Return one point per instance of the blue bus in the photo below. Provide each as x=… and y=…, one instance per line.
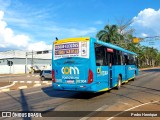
x=90, y=65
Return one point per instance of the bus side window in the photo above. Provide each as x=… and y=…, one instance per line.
x=126, y=60
x=100, y=56
x=118, y=57
x=131, y=60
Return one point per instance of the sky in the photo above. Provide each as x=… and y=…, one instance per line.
x=34, y=24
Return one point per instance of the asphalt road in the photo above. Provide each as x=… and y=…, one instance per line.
x=143, y=94
x=20, y=77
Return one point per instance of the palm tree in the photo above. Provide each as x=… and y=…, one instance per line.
x=109, y=34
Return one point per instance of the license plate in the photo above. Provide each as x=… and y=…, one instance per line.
x=70, y=81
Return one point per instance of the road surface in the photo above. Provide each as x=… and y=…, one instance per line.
x=143, y=94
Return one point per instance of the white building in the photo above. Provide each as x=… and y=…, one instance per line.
x=24, y=61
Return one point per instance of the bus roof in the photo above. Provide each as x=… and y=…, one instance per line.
x=72, y=40
x=112, y=46
x=94, y=40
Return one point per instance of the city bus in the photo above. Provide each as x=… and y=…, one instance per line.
x=90, y=65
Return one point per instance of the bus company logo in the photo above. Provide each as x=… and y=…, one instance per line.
x=70, y=70
x=130, y=68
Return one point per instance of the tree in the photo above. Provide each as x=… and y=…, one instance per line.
x=122, y=35
x=109, y=34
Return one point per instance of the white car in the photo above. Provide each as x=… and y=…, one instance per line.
x=46, y=74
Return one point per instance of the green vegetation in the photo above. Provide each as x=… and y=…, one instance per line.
x=122, y=36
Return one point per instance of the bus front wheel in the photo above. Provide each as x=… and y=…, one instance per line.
x=119, y=82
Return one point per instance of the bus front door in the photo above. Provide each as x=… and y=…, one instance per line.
x=110, y=69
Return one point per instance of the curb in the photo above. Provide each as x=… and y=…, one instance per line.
x=5, y=90
x=36, y=84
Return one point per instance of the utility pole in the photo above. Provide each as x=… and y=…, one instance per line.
x=32, y=59
x=26, y=64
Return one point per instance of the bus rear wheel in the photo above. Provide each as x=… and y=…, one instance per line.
x=134, y=77
x=119, y=82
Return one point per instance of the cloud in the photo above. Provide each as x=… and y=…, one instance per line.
x=7, y=36
x=39, y=46
x=144, y=35
x=147, y=22
x=9, y=39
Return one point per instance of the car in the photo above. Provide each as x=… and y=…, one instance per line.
x=46, y=74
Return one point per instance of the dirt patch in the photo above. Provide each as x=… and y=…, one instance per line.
x=2, y=84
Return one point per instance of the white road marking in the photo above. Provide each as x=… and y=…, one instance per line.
x=44, y=81
x=36, y=85
x=49, y=83
x=5, y=90
x=36, y=81
x=124, y=103
x=91, y=114
x=22, y=87
x=21, y=81
x=29, y=81
x=132, y=109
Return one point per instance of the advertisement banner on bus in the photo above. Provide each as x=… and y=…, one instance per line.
x=71, y=49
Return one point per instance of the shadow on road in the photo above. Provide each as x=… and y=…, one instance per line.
x=121, y=95
x=69, y=94
x=139, y=90
x=22, y=100
x=24, y=104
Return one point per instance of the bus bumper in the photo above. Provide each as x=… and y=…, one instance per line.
x=73, y=87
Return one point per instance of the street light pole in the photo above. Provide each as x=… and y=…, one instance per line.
x=26, y=63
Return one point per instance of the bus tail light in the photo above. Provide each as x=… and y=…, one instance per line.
x=53, y=76
x=90, y=76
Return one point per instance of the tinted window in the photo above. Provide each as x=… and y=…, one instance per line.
x=117, y=57
x=47, y=71
x=100, y=55
x=125, y=59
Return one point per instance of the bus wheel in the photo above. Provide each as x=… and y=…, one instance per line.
x=119, y=82
x=134, y=76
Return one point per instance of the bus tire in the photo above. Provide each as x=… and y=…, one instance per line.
x=119, y=82
x=134, y=76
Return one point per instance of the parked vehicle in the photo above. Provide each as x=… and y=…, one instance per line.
x=46, y=74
